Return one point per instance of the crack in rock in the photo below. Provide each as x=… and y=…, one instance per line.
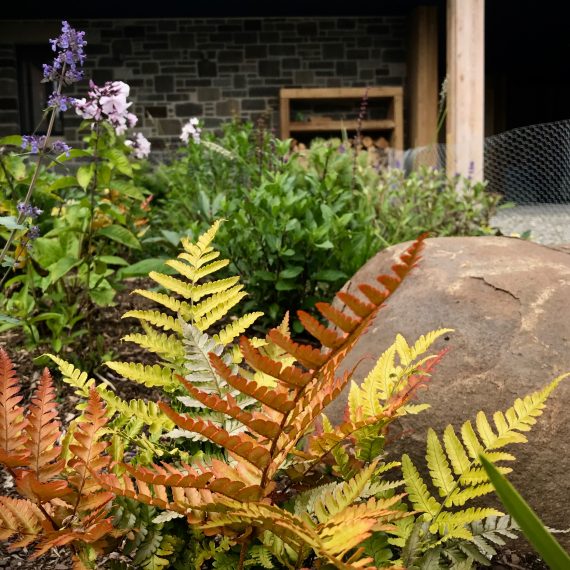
x=480, y=278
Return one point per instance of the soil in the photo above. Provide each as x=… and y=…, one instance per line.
x=111, y=328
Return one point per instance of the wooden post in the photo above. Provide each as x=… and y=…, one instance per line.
x=423, y=77
x=465, y=87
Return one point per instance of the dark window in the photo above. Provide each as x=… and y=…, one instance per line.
x=33, y=94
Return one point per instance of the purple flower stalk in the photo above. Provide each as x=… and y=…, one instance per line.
x=59, y=146
x=28, y=210
x=60, y=102
x=33, y=233
x=33, y=142
x=69, y=55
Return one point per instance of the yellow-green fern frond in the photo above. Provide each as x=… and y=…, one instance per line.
x=213, y=287
x=150, y=376
x=455, y=469
x=420, y=497
x=219, y=312
x=197, y=259
x=230, y=332
x=336, y=499
x=213, y=301
x=449, y=523
x=173, y=284
x=157, y=319
x=168, y=346
x=194, y=274
x=73, y=376
x=167, y=301
x=148, y=413
x=438, y=466
x=389, y=378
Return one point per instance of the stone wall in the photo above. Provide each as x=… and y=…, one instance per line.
x=215, y=69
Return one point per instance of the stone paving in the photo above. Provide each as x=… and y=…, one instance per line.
x=547, y=223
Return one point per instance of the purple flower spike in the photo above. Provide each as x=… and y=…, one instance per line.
x=69, y=51
x=28, y=211
x=33, y=142
x=58, y=101
x=59, y=146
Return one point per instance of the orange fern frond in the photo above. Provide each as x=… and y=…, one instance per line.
x=338, y=318
x=276, y=399
x=360, y=308
x=13, y=452
x=43, y=431
x=241, y=444
x=308, y=356
x=88, y=449
x=258, y=422
x=327, y=337
x=375, y=295
x=291, y=375
x=19, y=518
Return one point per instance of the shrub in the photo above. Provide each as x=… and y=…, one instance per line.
x=275, y=487
x=307, y=220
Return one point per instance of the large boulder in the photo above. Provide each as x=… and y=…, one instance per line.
x=509, y=303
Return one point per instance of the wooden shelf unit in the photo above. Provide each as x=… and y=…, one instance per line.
x=393, y=123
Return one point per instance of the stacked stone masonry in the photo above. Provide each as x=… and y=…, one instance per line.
x=216, y=69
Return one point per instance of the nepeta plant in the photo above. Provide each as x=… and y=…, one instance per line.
x=64, y=70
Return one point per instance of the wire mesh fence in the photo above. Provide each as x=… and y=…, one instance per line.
x=530, y=168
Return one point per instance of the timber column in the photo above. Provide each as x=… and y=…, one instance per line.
x=465, y=87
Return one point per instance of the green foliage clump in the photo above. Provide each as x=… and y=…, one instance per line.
x=90, y=230
x=303, y=222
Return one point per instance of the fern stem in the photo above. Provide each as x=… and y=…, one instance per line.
x=243, y=552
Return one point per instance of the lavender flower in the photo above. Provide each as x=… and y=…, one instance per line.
x=191, y=129
x=140, y=146
x=33, y=233
x=33, y=142
x=28, y=210
x=58, y=101
x=107, y=103
x=69, y=56
x=59, y=146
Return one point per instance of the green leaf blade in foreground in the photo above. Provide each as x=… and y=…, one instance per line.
x=532, y=527
x=121, y=235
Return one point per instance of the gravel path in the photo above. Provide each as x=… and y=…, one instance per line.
x=547, y=223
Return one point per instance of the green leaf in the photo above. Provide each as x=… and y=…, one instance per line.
x=47, y=251
x=85, y=174
x=285, y=285
x=144, y=267
x=63, y=182
x=112, y=260
x=61, y=268
x=102, y=296
x=9, y=319
x=73, y=153
x=11, y=223
x=329, y=275
x=325, y=245
x=120, y=234
x=533, y=528
x=119, y=161
x=291, y=272
x=11, y=140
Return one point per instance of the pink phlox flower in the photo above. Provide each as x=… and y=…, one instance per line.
x=140, y=146
x=191, y=129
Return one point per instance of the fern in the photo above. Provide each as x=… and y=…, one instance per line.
x=456, y=473
x=64, y=504
x=297, y=382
